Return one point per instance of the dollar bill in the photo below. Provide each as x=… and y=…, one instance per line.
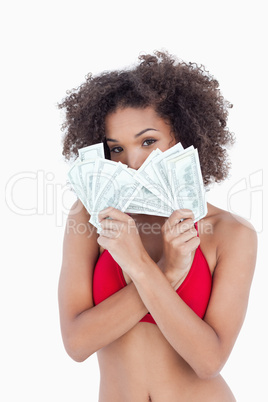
x=186, y=183
x=91, y=152
x=160, y=169
x=148, y=178
x=145, y=202
x=140, y=209
x=117, y=191
x=77, y=183
x=85, y=171
x=104, y=170
x=166, y=181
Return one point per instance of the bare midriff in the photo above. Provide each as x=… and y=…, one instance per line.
x=142, y=366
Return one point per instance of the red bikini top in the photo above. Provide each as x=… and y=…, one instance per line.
x=195, y=290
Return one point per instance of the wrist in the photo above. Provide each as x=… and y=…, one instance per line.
x=167, y=271
x=161, y=264
x=174, y=274
x=142, y=271
x=140, y=268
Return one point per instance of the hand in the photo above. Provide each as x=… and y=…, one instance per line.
x=179, y=241
x=121, y=238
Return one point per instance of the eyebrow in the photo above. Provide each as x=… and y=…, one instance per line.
x=136, y=135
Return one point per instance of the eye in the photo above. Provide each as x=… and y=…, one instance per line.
x=116, y=150
x=149, y=142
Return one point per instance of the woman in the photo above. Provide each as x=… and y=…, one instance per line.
x=166, y=330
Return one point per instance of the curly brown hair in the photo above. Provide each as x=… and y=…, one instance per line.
x=183, y=93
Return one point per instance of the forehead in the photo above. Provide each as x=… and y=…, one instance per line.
x=132, y=121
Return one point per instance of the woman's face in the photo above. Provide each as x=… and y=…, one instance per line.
x=132, y=134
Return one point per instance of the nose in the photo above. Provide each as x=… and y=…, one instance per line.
x=135, y=159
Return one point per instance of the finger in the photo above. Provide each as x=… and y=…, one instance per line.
x=178, y=228
x=188, y=246
x=103, y=241
x=192, y=244
x=186, y=236
x=113, y=213
x=111, y=224
x=182, y=227
x=119, y=226
x=111, y=234
x=177, y=216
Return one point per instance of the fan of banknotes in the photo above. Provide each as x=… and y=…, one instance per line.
x=166, y=181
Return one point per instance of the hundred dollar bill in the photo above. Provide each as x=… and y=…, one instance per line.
x=160, y=169
x=172, y=156
x=76, y=178
x=118, y=191
x=145, y=202
x=119, y=184
x=147, y=176
x=104, y=170
x=187, y=184
x=86, y=175
x=91, y=151
x=139, y=209
x=81, y=173
x=166, y=181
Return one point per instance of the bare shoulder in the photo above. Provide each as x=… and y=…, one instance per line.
x=229, y=228
x=80, y=238
x=224, y=236
x=232, y=236
x=78, y=215
x=78, y=212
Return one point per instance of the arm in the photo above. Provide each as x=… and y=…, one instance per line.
x=85, y=327
x=205, y=344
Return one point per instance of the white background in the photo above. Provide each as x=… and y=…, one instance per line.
x=49, y=47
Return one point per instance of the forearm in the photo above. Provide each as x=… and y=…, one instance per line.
x=189, y=335
x=104, y=323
